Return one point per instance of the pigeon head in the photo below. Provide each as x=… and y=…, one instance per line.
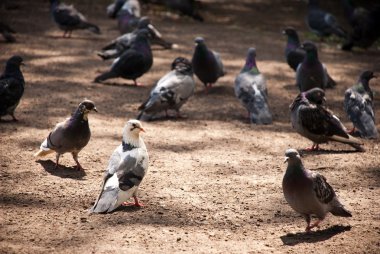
x=292, y=155
x=315, y=95
x=182, y=64
x=311, y=52
x=367, y=76
x=250, y=62
x=131, y=133
x=199, y=41
x=309, y=46
x=15, y=61
x=290, y=31
x=86, y=107
x=143, y=22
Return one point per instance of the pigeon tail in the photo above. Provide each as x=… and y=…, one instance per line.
x=339, y=210
x=354, y=142
x=330, y=82
x=91, y=27
x=112, y=45
x=105, y=76
x=106, y=202
x=140, y=115
x=261, y=118
x=108, y=54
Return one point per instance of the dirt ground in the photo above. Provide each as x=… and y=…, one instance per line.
x=214, y=181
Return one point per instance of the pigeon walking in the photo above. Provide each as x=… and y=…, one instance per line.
x=207, y=64
x=126, y=169
x=251, y=90
x=309, y=193
x=134, y=62
x=311, y=72
x=7, y=32
x=311, y=120
x=358, y=104
x=69, y=19
x=172, y=90
x=12, y=86
x=69, y=136
x=321, y=22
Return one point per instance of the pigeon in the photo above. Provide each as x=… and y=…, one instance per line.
x=185, y=7
x=69, y=136
x=364, y=23
x=308, y=192
x=124, y=42
x=251, y=90
x=359, y=108
x=293, y=52
x=134, y=62
x=7, y=32
x=69, y=19
x=126, y=169
x=311, y=72
x=12, y=86
x=172, y=90
x=321, y=22
x=311, y=120
x=207, y=64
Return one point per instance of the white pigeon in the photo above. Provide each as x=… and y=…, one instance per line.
x=126, y=169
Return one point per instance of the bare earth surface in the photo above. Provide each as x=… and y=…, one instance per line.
x=214, y=181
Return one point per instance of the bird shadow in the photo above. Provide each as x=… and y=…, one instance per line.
x=305, y=152
x=73, y=38
x=313, y=237
x=62, y=171
x=162, y=118
x=131, y=85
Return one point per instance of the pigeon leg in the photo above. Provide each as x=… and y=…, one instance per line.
x=137, y=83
x=13, y=117
x=315, y=224
x=64, y=34
x=75, y=157
x=352, y=131
x=136, y=203
x=57, y=160
x=314, y=147
x=308, y=219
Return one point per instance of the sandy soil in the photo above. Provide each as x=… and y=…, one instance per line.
x=214, y=181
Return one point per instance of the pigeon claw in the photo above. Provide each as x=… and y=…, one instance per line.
x=136, y=203
x=314, y=147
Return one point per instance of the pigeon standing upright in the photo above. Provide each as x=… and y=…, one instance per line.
x=251, y=90
x=321, y=22
x=311, y=72
x=69, y=136
x=172, y=90
x=7, y=32
x=126, y=169
x=11, y=87
x=311, y=120
x=207, y=64
x=69, y=19
x=309, y=193
x=293, y=52
x=358, y=102
x=185, y=7
x=134, y=62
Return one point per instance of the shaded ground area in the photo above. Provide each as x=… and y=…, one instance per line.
x=214, y=182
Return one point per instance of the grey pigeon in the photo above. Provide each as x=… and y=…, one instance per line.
x=295, y=54
x=185, y=7
x=68, y=18
x=69, y=136
x=124, y=42
x=7, y=32
x=321, y=22
x=126, y=169
x=311, y=72
x=358, y=104
x=309, y=193
x=172, y=90
x=311, y=120
x=365, y=25
x=12, y=86
x=251, y=90
x=207, y=64
x=134, y=62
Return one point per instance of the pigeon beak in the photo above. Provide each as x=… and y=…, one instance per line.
x=286, y=159
x=95, y=109
x=142, y=129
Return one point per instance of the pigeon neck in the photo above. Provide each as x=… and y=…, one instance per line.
x=295, y=166
x=311, y=57
x=131, y=139
x=363, y=83
x=80, y=114
x=250, y=65
x=14, y=71
x=293, y=42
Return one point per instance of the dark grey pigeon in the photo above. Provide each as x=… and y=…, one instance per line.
x=251, y=90
x=126, y=169
x=68, y=18
x=207, y=64
x=308, y=192
x=311, y=72
x=69, y=136
x=172, y=90
x=134, y=62
x=358, y=104
x=12, y=86
x=7, y=32
x=295, y=55
x=311, y=120
x=124, y=42
x=365, y=25
x=185, y=7
x=321, y=22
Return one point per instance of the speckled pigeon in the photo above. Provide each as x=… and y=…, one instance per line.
x=69, y=136
x=12, y=86
x=185, y=7
x=126, y=169
x=321, y=22
x=69, y=19
x=311, y=120
x=359, y=108
x=207, y=64
x=311, y=72
x=172, y=90
x=251, y=90
x=134, y=62
x=7, y=32
x=308, y=192
x=124, y=42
